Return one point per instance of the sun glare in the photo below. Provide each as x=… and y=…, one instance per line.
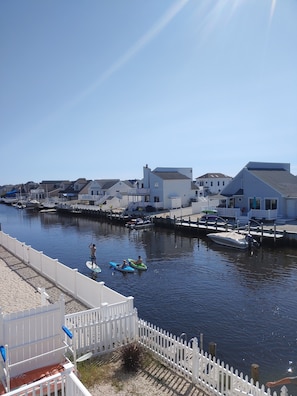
x=272, y=9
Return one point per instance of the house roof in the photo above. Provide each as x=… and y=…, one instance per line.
x=213, y=176
x=171, y=175
x=128, y=182
x=105, y=184
x=280, y=180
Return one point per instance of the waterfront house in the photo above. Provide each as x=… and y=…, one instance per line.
x=73, y=189
x=110, y=193
x=52, y=188
x=167, y=188
x=212, y=183
x=264, y=191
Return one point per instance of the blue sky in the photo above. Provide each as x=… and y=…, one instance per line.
x=100, y=88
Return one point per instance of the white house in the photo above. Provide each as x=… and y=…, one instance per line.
x=212, y=183
x=167, y=188
x=110, y=193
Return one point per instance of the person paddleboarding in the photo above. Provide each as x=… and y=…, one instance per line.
x=92, y=247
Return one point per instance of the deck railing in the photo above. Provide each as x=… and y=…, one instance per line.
x=62, y=384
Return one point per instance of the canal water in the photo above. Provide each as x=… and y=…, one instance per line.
x=244, y=303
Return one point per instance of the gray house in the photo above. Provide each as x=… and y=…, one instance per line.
x=266, y=191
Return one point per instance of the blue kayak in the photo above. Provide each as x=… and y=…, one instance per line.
x=119, y=267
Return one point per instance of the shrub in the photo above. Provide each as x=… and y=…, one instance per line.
x=132, y=356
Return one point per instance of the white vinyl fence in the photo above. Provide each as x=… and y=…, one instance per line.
x=82, y=288
x=33, y=344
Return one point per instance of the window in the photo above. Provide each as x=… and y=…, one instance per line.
x=254, y=203
x=156, y=199
x=270, y=204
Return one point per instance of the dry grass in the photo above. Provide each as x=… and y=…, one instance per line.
x=109, y=368
x=106, y=375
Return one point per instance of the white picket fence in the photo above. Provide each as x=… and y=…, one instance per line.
x=186, y=359
x=102, y=330
x=35, y=338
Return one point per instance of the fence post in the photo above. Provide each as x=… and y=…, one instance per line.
x=44, y=296
x=212, y=349
x=40, y=261
x=130, y=301
x=104, y=311
x=136, y=320
x=29, y=255
x=274, y=229
x=74, y=286
x=201, y=342
x=195, y=361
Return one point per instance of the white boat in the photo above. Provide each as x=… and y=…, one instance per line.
x=9, y=200
x=52, y=210
x=139, y=223
x=19, y=204
x=233, y=239
x=32, y=204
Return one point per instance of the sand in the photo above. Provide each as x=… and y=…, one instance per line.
x=16, y=294
x=153, y=379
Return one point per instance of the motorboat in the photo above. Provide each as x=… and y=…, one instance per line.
x=233, y=239
x=139, y=223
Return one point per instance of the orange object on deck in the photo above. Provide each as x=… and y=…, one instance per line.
x=32, y=376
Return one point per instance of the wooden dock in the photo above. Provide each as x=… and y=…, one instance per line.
x=285, y=234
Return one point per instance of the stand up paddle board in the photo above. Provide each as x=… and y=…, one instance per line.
x=93, y=267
